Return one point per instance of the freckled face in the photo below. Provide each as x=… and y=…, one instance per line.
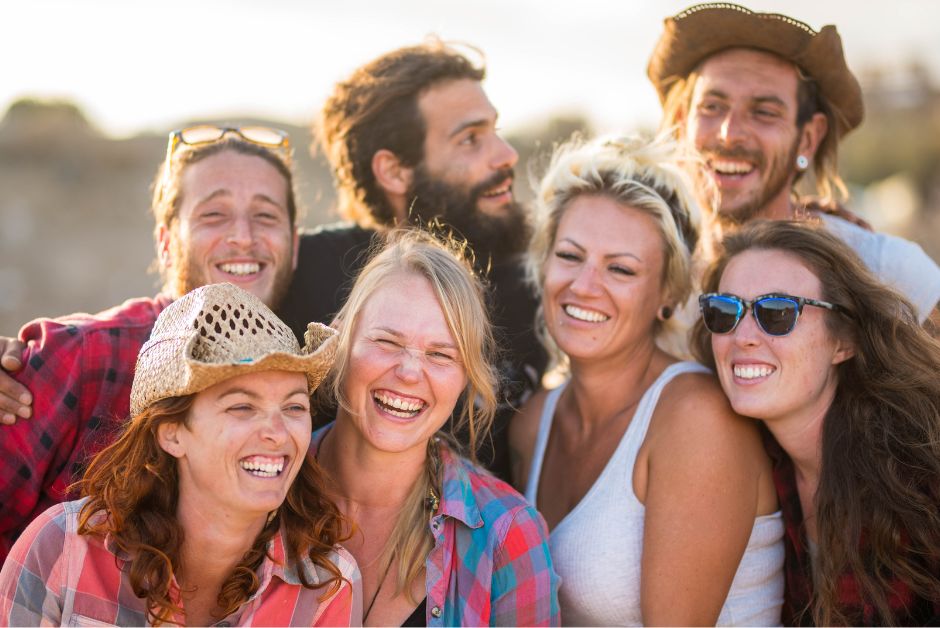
x=603, y=278
x=775, y=377
x=244, y=443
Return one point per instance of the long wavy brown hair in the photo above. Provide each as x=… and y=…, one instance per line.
x=878, y=500
x=134, y=484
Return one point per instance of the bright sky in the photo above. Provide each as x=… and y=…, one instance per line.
x=137, y=66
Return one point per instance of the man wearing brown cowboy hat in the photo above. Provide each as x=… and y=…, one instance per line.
x=763, y=98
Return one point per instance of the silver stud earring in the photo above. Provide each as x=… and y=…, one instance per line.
x=802, y=163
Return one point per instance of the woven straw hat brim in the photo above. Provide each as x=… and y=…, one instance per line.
x=163, y=366
x=703, y=30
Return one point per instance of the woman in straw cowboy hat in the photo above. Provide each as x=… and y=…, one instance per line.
x=844, y=382
x=439, y=540
x=207, y=508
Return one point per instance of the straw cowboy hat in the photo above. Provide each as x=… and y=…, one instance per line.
x=704, y=29
x=217, y=332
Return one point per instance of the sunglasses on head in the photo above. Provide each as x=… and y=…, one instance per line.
x=776, y=314
x=268, y=137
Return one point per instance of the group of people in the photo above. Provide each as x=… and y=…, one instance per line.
x=747, y=429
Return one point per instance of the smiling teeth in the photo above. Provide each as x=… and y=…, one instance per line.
x=752, y=372
x=399, y=407
x=248, y=268
x=732, y=167
x=263, y=467
x=499, y=191
x=585, y=315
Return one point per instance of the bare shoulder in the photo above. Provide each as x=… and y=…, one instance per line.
x=523, y=431
x=694, y=413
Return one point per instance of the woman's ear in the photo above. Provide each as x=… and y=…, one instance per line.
x=168, y=438
x=845, y=350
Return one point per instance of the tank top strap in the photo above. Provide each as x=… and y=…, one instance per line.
x=632, y=438
x=639, y=424
x=541, y=441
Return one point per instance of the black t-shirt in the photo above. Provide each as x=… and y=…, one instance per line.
x=331, y=257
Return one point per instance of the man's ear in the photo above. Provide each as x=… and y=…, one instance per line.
x=168, y=438
x=296, y=256
x=163, y=246
x=812, y=135
x=391, y=175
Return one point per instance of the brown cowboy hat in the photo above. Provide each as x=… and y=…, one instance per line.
x=704, y=29
x=217, y=332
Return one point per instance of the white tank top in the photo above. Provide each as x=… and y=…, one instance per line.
x=599, y=560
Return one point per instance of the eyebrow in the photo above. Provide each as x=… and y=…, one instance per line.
x=225, y=192
x=769, y=99
x=398, y=334
x=608, y=256
x=469, y=124
x=238, y=390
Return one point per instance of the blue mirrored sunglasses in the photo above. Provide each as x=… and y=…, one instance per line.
x=776, y=314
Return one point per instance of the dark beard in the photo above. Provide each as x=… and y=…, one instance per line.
x=492, y=238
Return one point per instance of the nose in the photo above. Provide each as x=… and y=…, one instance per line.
x=732, y=128
x=747, y=333
x=409, y=366
x=585, y=282
x=241, y=232
x=504, y=155
x=274, y=429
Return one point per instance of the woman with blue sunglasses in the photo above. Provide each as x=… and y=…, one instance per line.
x=845, y=383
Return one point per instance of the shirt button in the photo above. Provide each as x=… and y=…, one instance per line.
x=436, y=611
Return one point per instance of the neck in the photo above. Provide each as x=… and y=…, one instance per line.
x=601, y=390
x=214, y=543
x=801, y=438
x=364, y=476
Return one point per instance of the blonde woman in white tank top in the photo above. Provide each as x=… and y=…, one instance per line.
x=659, y=498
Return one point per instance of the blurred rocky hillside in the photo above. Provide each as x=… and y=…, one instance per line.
x=75, y=232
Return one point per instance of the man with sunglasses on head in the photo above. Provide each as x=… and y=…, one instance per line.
x=412, y=139
x=225, y=210
x=763, y=99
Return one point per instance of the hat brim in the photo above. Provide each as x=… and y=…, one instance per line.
x=703, y=30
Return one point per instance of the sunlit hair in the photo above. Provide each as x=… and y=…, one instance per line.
x=829, y=186
x=459, y=292
x=133, y=490
x=644, y=174
x=377, y=108
x=168, y=185
x=879, y=485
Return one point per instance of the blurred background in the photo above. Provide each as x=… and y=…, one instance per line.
x=89, y=90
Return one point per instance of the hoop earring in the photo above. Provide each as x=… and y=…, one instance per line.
x=802, y=163
x=665, y=313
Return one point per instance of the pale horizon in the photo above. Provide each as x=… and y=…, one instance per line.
x=136, y=68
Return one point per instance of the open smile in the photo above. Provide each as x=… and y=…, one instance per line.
x=264, y=466
x=585, y=314
x=399, y=406
x=752, y=373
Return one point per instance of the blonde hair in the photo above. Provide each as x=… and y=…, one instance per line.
x=442, y=261
x=646, y=174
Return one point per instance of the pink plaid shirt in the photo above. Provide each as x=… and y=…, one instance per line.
x=56, y=577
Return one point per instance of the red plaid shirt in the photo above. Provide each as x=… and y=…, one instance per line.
x=79, y=369
x=909, y=610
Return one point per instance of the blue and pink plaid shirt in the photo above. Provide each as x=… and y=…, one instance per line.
x=490, y=565
x=56, y=577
